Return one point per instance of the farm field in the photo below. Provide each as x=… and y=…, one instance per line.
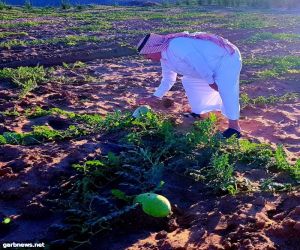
x=72, y=157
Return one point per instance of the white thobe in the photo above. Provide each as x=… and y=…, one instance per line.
x=202, y=63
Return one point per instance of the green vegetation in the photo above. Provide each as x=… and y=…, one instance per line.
x=220, y=174
x=248, y=21
x=3, y=5
x=98, y=26
x=27, y=78
x=71, y=40
x=151, y=144
x=278, y=65
x=271, y=185
x=141, y=131
x=90, y=120
x=86, y=124
x=262, y=36
x=281, y=164
x=262, y=100
x=12, y=43
x=7, y=34
x=38, y=135
x=21, y=24
x=146, y=147
x=77, y=64
x=10, y=113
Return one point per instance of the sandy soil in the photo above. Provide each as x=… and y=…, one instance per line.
x=28, y=173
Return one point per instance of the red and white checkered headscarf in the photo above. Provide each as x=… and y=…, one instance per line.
x=153, y=43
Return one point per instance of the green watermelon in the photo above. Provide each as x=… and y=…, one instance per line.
x=142, y=110
x=154, y=204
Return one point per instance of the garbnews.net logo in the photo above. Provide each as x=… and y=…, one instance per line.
x=14, y=244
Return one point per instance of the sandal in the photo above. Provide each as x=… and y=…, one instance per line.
x=191, y=115
x=231, y=132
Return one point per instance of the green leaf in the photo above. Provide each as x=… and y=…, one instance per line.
x=120, y=195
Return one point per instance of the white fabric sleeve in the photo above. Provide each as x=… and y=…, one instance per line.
x=167, y=81
x=197, y=61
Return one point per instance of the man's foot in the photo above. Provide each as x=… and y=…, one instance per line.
x=192, y=115
x=231, y=132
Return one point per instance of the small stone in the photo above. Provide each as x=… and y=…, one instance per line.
x=260, y=224
x=2, y=119
x=9, y=153
x=236, y=245
x=36, y=210
x=260, y=201
x=100, y=205
x=147, y=245
x=56, y=227
x=24, y=184
x=167, y=103
x=248, y=205
x=289, y=223
x=262, y=220
x=25, y=103
x=297, y=210
x=279, y=216
x=58, y=243
x=246, y=241
x=161, y=235
x=5, y=171
x=248, y=244
x=3, y=129
x=17, y=165
x=59, y=230
x=166, y=246
x=297, y=226
x=227, y=245
x=59, y=123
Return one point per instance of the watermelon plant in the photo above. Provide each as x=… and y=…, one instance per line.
x=107, y=188
x=27, y=78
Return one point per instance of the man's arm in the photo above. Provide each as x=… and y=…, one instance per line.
x=167, y=81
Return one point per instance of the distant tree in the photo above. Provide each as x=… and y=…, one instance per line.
x=3, y=4
x=28, y=4
x=65, y=4
x=79, y=7
x=293, y=3
x=237, y=3
x=165, y=3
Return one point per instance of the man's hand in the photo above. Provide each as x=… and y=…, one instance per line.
x=152, y=101
x=214, y=86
